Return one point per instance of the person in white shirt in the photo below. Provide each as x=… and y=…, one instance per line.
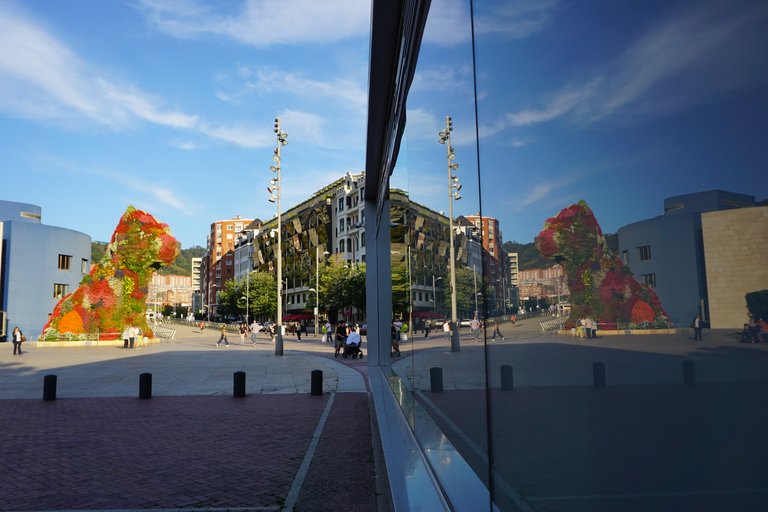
x=353, y=343
x=474, y=326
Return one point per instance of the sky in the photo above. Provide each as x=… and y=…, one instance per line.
x=169, y=106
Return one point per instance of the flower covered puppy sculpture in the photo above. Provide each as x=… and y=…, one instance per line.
x=601, y=286
x=114, y=293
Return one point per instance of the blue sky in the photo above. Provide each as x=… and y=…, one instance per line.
x=168, y=105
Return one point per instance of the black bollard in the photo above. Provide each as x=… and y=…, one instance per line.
x=598, y=375
x=49, y=387
x=436, y=379
x=507, y=382
x=317, y=383
x=689, y=373
x=239, y=385
x=145, y=385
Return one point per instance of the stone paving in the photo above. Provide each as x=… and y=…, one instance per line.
x=192, y=446
x=646, y=441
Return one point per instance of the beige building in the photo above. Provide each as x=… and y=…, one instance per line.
x=735, y=243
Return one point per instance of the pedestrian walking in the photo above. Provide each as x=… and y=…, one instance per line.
x=474, y=326
x=496, y=331
x=242, y=330
x=133, y=331
x=126, y=336
x=447, y=328
x=341, y=338
x=396, y=338
x=427, y=328
x=18, y=339
x=696, y=323
x=223, y=337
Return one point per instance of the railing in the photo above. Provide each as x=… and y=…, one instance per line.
x=552, y=325
x=163, y=332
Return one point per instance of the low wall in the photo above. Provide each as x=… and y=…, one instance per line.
x=624, y=332
x=84, y=343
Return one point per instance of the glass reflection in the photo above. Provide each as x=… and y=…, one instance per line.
x=619, y=152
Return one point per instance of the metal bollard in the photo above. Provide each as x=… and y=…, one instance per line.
x=689, y=373
x=598, y=375
x=49, y=387
x=436, y=379
x=145, y=385
x=317, y=383
x=239, y=384
x=507, y=381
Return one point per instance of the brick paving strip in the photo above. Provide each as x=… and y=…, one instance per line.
x=164, y=453
x=341, y=476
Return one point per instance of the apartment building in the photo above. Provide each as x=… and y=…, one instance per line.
x=219, y=262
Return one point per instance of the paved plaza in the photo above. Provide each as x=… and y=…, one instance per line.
x=644, y=442
x=193, y=446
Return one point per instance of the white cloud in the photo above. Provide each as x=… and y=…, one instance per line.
x=305, y=126
x=42, y=79
x=346, y=92
x=448, y=23
x=560, y=104
x=536, y=195
x=261, y=23
x=186, y=145
x=683, y=60
x=169, y=198
x=244, y=136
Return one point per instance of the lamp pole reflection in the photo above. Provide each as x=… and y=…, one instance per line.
x=453, y=195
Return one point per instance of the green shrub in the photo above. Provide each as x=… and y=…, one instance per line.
x=757, y=304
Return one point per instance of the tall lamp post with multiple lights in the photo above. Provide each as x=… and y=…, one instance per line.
x=453, y=195
x=274, y=197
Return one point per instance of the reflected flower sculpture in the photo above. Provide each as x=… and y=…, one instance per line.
x=114, y=293
x=601, y=286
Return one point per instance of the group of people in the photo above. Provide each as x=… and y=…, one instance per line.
x=585, y=329
x=756, y=331
x=347, y=340
x=131, y=337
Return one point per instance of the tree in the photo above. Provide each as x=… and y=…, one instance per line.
x=261, y=290
x=400, y=290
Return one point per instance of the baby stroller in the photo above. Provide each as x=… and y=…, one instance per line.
x=353, y=350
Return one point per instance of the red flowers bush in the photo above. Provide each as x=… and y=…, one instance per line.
x=601, y=286
x=114, y=293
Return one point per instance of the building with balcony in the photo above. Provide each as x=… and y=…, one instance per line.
x=493, y=268
x=219, y=261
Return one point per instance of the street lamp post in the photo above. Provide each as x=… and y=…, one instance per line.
x=274, y=190
x=316, y=289
x=453, y=195
x=410, y=295
x=434, y=295
x=474, y=278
